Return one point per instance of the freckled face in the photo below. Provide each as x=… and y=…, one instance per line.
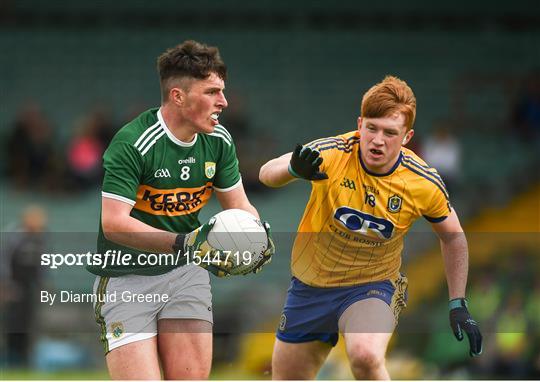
x=381, y=140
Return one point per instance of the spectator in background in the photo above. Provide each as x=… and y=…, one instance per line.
x=86, y=148
x=526, y=111
x=104, y=124
x=32, y=160
x=23, y=279
x=443, y=151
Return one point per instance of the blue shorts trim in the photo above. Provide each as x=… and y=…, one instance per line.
x=312, y=314
x=331, y=338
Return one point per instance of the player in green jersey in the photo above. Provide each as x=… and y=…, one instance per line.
x=160, y=170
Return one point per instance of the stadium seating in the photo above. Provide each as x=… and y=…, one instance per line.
x=301, y=67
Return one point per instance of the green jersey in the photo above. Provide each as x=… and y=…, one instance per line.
x=167, y=181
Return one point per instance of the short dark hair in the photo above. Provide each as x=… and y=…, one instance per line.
x=189, y=59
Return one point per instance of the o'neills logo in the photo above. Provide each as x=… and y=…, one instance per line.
x=172, y=202
x=189, y=160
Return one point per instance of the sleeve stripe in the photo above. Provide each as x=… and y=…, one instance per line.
x=322, y=141
x=148, y=147
x=222, y=136
x=428, y=173
x=117, y=197
x=148, y=141
x=418, y=163
x=236, y=185
x=342, y=146
x=321, y=144
x=223, y=130
x=146, y=133
x=334, y=138
x=426, y=168
x=338, y=144
x=443, y=190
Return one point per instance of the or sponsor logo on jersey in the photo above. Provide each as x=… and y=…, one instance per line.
x=355, y=238
x=394, y=203
x=162, y=173
x=360, y=222
x=209, y=169
x=348, y=183
x=172, y=202
x=117, y=329
x=189, y=160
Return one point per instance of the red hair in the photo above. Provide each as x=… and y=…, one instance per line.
x=388, y=97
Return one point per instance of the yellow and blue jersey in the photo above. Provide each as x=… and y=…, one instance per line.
x=353, y=226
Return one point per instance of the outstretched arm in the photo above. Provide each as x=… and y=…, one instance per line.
x=304, y=162
x=275, y=173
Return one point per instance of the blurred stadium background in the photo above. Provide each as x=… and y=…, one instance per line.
x=73, y=72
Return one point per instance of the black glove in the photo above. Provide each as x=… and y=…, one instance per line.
x=305, y=164
x=461, y=321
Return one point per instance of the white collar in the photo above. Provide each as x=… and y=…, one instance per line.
x=171, y=135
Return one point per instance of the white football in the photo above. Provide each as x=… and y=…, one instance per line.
x=240, y=234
